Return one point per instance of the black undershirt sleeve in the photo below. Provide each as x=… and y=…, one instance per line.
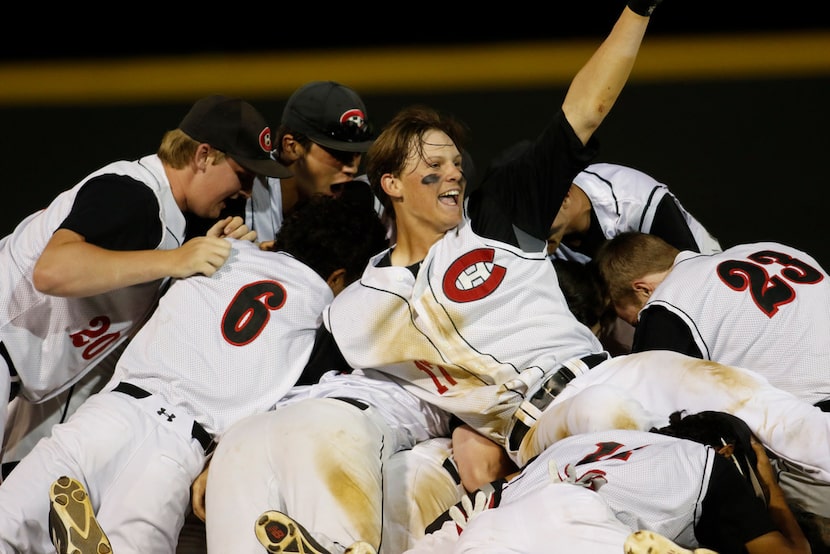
x=325, y=356
x=116, y=212
x=525, y=186
x=731, y=514
x=660, y=329
x=670, y=225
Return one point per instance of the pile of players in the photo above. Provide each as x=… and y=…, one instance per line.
x=312, y=359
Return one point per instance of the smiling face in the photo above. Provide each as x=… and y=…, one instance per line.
x=428, y=194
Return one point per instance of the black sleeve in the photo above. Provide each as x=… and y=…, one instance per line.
x=325, y=356
x=660, y=329
x=116, y=212
x=670, y=225
x=525, y=186
x=731, y=514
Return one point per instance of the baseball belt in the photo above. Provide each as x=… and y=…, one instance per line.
x=15, y=378
x=546, y=393
x=360, y=405
x=196, y=432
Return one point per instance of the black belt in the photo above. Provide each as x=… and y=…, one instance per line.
x=353, y=401
x=547, y=392
x=197, y=431
x=15, y=378
x=824, y=405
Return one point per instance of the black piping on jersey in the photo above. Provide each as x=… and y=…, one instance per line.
x=611, y=187
x=457, y=332
x=160, y=187
x=648, y=205
x=385, y=261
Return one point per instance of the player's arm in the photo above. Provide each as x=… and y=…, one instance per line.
x=197, y=493
x=670, y=225
x=109, y=239
x=790, y=538
x=596, y=86
x=478, y=459
x=660, y=329
x=325, y=356
x=70, y=266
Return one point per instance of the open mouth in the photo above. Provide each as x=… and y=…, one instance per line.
x=450, y=198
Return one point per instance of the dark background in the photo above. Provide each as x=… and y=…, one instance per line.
x=38, y=32
x=746, y=156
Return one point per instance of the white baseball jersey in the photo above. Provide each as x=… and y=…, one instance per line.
x=626, y=199
x=662, y=382
x=651, y=482
x=229, y=345
x=263, y=209
x=216, y=349
x=632, y=462
x=54, y=340
x=451, y=335
x=771, y=312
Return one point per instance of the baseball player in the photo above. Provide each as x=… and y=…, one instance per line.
x=751, y=305
x=323, y=134
x=764, y=306
x=701, y=480
x=450, y=306
x=217, y=348
x=126, y=222
x=608, y=199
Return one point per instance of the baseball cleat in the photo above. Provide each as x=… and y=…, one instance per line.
x=277, y=532
x=649, y=542
x=72, y=524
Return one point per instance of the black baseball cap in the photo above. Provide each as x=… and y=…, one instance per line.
x=330, y=114
x=235, y=127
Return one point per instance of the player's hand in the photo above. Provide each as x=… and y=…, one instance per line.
x=267, y=245
x=469, y=509
x=592, y=479
x=231, y=227
x=200, y=255
x=197, y=494
x=764, y=470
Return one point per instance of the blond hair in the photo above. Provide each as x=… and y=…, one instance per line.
x=177, y=149
x=628, y=257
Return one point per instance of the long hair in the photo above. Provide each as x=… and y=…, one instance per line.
x=403, y=138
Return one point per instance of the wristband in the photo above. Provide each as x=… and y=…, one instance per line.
x=643, y=7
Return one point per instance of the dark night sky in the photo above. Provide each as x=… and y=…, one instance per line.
x=48, y=36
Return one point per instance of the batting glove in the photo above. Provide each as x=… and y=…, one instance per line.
x=643, y=7
x=469, y=508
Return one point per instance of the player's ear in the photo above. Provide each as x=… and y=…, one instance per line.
x=201, y=158
x=291, y=150
x=337, y=281
x=642, y=289
x=391, y=185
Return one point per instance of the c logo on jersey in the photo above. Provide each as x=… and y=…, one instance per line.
x=473, y=276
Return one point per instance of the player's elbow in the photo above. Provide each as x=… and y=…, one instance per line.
x=49, y=279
